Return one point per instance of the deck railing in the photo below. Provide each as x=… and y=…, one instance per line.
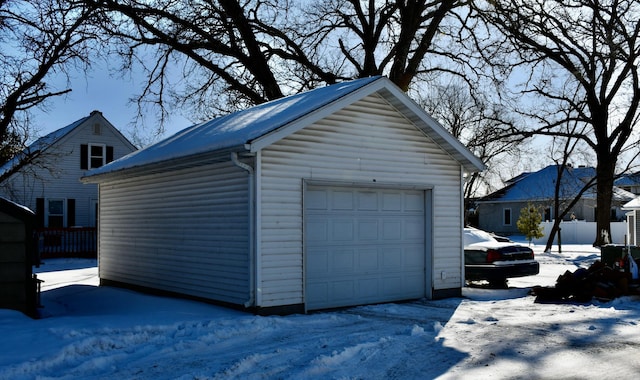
x=67, y=242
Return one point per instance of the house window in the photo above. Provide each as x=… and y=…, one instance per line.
x=547, y=214
x=95, y=155
x=506, y=216
x=55, y=213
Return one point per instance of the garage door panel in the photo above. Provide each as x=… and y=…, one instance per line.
x=344, y=261
x=412, y=283
x=367, y=200
x=342, y=200
x=368, y=288
x=413, y=256
x=317, y=231
x=392, y=258
x=392, y=202
x=342, y=230
x=392, y=286
x=318, y=292
x=392, y=229
x=367, y=230
x=318, y=262
x=375, y=248
x=414, y=202
x=367, y=260
x=316, y=200
x=342, y=290
x=413, y=229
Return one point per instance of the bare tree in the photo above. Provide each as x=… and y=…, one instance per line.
x=38, y=38
x=380, y=37
x=481, y=126
x=220, y=56
x=566, y=194
x=579, y=56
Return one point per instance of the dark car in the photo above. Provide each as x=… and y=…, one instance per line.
x=486, y=258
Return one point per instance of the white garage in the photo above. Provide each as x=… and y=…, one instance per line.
x=364, y=245
x=345, y=195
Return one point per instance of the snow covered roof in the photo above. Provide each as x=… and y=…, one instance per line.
x=257, y=127
x=634, y=204
x=540, y=185
x=628, y=180
x=13, y=207
x=40, y=144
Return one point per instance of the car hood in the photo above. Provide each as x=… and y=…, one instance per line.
x=492, y=244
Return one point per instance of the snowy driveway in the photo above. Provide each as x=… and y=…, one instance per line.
x=102, y=333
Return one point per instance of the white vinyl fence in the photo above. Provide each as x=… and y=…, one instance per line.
x=581, y=232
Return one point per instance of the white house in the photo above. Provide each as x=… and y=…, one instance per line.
x=345, y=195
x=633, y=221
x=51, y=185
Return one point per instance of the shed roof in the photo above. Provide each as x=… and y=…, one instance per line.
x=634, y=204
x=16, y=210
x=256, y=127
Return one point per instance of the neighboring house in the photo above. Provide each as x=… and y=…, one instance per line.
x=51, y=185
x=345, y=195
x=633, y=221
x=499, y=212
x=629, y=182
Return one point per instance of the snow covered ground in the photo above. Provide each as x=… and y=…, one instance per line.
x=91, y=332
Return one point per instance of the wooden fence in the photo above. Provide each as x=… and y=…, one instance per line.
x=67, y=242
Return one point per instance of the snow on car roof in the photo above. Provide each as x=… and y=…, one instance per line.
x=474, y=235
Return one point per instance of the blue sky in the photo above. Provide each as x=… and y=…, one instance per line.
x=98, y=91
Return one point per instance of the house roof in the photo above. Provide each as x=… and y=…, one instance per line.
x=48, y=140
x=256, y=127
x=632, y=179
x=40, y=144
x=540, y=185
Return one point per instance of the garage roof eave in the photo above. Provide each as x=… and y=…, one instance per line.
x=169, y=164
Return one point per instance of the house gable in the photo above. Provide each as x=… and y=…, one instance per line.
x=53, y=178
x=404, y=106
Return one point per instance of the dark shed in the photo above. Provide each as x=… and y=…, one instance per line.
x=19, y=288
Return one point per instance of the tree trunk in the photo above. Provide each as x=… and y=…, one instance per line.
x=552, y=234
x=605, y=175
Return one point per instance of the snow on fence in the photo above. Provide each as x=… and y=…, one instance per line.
x=582, y=232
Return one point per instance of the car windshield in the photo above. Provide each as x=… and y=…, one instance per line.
x=471, y=236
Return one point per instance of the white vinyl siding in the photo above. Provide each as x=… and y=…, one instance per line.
x=367, y=142
x=183, y=231
x=634, y=223
x=57, y=172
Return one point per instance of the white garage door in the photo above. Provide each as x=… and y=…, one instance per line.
x=363, y=246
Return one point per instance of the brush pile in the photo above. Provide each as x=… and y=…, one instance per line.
x=599, y=281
